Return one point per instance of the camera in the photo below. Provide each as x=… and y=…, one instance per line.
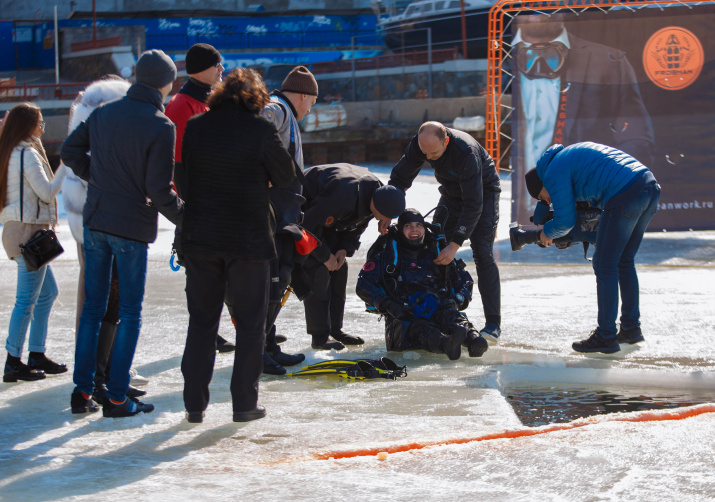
x=587, y=218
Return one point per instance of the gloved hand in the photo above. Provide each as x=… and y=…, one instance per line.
x=396, y=309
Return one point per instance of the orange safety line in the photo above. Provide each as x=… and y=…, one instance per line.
x=641, y=416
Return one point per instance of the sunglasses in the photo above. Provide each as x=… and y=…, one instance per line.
x=541, y=60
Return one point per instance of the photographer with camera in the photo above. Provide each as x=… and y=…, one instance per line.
x=421, y=300
x=627, y=193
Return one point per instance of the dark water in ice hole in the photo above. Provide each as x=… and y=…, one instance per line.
x=537, y=406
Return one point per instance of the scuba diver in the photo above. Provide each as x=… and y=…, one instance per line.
x=421, y=301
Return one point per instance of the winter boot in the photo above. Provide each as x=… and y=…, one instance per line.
x=39, y=361
x=346, y=339
x=270, y=367
x=16, y=370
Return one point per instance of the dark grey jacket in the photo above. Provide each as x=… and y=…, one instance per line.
x=130, y=168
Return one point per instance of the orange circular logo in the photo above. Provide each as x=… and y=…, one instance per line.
x=673, y=58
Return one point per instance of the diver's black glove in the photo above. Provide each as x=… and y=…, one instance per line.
x=396, y=309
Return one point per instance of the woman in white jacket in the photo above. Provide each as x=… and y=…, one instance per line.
x=21, y=150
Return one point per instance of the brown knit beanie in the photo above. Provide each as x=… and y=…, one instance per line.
x=300, y=81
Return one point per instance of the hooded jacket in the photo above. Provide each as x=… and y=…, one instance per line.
x=583, y=172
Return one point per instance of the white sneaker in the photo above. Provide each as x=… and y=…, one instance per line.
x=136, y=379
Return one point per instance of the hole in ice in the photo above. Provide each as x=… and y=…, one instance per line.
x=537, y=406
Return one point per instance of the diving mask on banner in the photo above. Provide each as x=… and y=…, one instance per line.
x=542, y=60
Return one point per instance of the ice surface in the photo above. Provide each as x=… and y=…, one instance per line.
x=548, y=299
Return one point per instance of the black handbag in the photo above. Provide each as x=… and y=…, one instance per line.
x=43, y=246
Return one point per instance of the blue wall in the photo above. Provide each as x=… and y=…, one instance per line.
x=225, y=33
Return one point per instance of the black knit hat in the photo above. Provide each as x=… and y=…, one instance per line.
x=155, y=68
x=389, y=201
x=300, y=81
x=201, y=57
x=533, y=183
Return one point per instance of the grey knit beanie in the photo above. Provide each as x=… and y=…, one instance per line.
x=155, y=68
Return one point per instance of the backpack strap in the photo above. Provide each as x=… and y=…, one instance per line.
x=22, y=181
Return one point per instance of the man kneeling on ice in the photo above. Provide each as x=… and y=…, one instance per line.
x=421, y=301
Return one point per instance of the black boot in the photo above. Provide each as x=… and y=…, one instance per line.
x=347, y=339
x=284, y=359
x=16, y=370
x=270, y=367
x=476, y=345
x=326, y=343
x=82, y=403
x=39, y=361
x=105, y=343
x=223, y=345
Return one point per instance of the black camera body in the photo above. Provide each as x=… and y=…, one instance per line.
x=584, y=230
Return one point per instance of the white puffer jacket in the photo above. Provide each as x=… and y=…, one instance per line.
x=40, y=187
x=74, y=189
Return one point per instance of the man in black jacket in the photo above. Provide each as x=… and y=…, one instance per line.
x=470, y=196
x=341, y=199
x=129, y=176
x=231, y=155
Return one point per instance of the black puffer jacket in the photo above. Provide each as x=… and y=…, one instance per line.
x=129, y=171
x=230, y=154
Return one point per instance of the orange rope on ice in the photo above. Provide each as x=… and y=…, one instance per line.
x=641, y=416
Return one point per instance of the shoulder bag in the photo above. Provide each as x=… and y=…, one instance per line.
x=43, y=246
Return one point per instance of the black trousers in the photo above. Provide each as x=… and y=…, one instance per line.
x=482, y=244
x=324, y=309
x=207, y=278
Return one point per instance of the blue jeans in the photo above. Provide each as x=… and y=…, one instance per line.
x=100, y=251
x=620, y=233
x=36, y=292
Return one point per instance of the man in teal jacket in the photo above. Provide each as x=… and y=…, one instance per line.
x=628, y=194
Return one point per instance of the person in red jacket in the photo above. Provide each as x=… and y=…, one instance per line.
x=203, y=65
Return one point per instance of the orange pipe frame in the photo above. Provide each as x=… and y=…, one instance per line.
x=641, y=416
x=496, y=32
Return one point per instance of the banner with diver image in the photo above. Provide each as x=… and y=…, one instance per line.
x=642, y=81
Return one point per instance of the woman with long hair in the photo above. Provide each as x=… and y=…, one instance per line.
x=28, y=191
x=231, y=155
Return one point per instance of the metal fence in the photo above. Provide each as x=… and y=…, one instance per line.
x=40, y=92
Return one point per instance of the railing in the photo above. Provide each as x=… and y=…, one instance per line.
x=263, y=40
x=39, y=92
x=386, y=61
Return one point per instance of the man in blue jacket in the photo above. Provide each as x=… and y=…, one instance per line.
x=628, y=194
x=129, y=175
